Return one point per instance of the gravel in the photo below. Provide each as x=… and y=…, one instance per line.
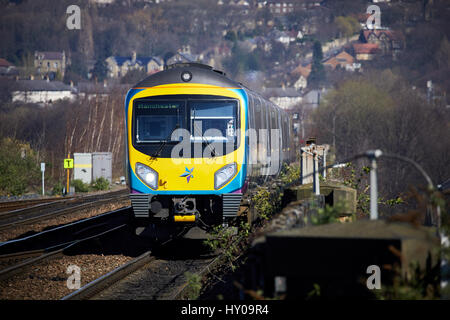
x=48, y=279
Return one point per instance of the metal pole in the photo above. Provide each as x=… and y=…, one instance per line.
x=67, y=189
x=43, y=178
x=301, y=166
x=373, y=155
x=373, y=190
x=316, y=174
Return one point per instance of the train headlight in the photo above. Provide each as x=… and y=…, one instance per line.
x=148, y=175
x=186, y=76
x=224, y=175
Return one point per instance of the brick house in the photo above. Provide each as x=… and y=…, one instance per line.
x=50, y=63
x=119, y=66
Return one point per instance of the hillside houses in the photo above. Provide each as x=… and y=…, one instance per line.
x=7, y=69
x=50, y=63
x=119, y=66
x=342, y=60
x=388, y=41
x=365, y=51
x=285, y=98
x=42, y=92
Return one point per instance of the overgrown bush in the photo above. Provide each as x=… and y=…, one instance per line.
x=100, y=184
x=80, y=186
x=18, y=166
x=194, y=285
x=57, y=188
x=266, y=203
x=290, y=174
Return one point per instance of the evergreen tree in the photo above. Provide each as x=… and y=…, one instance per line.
x=100, y=70
x=317, y=76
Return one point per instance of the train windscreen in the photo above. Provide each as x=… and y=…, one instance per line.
x=156, y=120
x=213, y=120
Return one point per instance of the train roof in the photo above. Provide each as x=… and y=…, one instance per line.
x=188, y=73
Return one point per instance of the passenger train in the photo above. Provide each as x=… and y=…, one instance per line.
x=195, y=141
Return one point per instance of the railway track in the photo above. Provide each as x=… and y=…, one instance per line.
x=159, y=274
x=6, y=206
x=49, y=239
x=29, y=258
x=56, y=208
x=89, y=243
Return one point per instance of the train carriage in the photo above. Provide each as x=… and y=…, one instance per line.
x=195, y=139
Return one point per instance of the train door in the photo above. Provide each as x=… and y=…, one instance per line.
x=264, y=138
x=251, y=137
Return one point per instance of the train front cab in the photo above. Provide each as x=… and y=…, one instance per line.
x=172, y=186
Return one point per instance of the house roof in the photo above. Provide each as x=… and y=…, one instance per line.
x=139, y=60
x=5, y=63
x=50, y=55
x=281, y=92
x=365, y=48
x=389, y=33
x=314, y=97
x=341, y=58
x=302, y=70
x=42, y=85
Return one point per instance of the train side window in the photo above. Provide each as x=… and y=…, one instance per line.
x=285, y=131
x=258, y=114
x=251, y=111
x=273, y=117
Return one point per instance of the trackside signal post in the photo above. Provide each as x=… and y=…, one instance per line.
x=68, y=164
x=43, y=170
x=373, y=155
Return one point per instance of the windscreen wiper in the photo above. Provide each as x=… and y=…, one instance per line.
x=163, y=143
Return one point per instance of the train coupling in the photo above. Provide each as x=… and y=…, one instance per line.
x=185, y=209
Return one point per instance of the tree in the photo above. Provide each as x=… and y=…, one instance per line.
x=100, y=70
x=317, y=76
x=443, y=54
x=133, y=76
x=381, y=111
x=347, y=26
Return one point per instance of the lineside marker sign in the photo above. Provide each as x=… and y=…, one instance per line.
x=68, y=163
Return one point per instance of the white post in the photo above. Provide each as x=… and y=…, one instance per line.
x=373, y=155
x=316, y=173
x=373, y=190
x=43, y=170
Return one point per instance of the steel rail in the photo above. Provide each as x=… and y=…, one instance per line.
x=95, y=287
x=59, y=212
x=48, y=253
x=33, y=242
x=65, y=201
